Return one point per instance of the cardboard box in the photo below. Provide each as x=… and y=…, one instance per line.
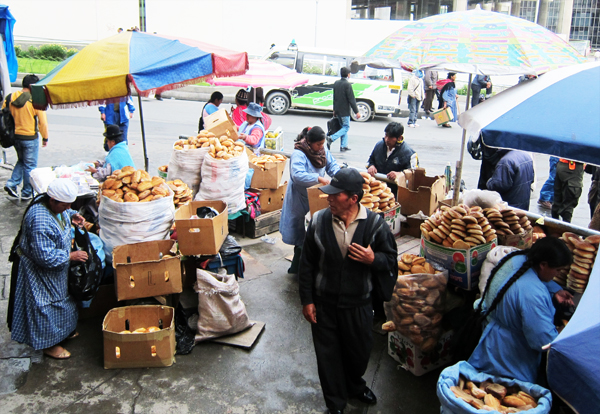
x=146, y=269
x=443, y=116
x=275, y=143
x=392, y=218
x=139, y=350
x=270, y=177
x=412, y=227
x=417, y=192
x=520, y=241
x=412, y=359
x=201, y=236
x=463, y=265
x=220, y=123
x=317, y=200
x=271, y=200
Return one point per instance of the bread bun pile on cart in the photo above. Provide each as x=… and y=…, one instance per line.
x=377, y=196
x=507, y=221
x=584, y=254
x=133, y=186
x=494, y=397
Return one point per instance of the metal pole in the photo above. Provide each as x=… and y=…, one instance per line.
x=142, y=15
x=459, y=164
x=143, y=133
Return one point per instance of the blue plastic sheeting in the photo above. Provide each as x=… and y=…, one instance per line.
x=156, y=61
x=452, y=405
x=574, y=357
x=7, y=22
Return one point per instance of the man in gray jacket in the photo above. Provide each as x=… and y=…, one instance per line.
x=429, y=81
x=343, y=99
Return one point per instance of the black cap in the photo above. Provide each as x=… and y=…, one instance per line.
x=346, y=179
x=112, y=132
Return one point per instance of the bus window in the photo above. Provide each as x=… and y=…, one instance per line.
x=286, y=59
x=322, y=64
x=374, y=74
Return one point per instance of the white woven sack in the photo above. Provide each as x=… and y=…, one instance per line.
x=224, y=180
x=186, y=165
x=127, y=223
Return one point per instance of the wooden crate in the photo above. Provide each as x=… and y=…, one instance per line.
x=264, y=224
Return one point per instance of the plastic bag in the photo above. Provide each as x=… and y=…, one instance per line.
x=417, y=307
x=491, y=260
x=84, y=277
x=184, y=335
x=220, y=308
x=128, y=223
x=452, y=405
x=186, y=165
x=230, y=247
x=483, y=199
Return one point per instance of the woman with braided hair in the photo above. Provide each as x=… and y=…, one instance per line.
x=520, y=321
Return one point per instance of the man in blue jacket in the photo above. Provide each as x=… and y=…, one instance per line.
x=343, y=100
x=512, y=178
x=349, y=253
x=118, y=114
x=117, y=158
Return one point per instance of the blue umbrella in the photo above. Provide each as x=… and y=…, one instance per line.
x=574, y=356
x=557, y=114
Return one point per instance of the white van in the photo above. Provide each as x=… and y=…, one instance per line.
x=377, y=91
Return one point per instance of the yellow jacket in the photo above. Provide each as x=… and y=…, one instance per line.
x=28, y=120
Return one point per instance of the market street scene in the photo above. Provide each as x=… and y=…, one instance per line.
x=407, y=222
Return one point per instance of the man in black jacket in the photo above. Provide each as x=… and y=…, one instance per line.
x=348, y=253
x=343, y=99
x=392, y=154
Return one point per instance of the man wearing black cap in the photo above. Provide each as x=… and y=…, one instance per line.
x=348, y=253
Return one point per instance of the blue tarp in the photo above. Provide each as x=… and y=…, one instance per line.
x=7, y=22
x=574, y=357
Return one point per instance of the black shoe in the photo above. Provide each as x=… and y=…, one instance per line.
x=158, y=97
x=329, y=141
x=367, y=397
x=11, y=192
x=345, y=149
x=335, y=411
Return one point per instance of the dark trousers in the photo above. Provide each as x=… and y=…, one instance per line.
x=568, y=185
x=343, y=341
x=428, y=102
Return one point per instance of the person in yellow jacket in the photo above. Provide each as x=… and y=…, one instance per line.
x=29, y=124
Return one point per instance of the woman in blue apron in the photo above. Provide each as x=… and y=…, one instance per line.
x=252, y=130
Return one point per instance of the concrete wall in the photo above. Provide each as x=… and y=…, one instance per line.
x=250, y=25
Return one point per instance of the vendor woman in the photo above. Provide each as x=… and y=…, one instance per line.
x=309, y=163
x=117, y=158
x=519, y=293
x=252, y=130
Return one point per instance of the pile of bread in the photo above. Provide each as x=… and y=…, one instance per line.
x=128, y=185
x=507, y=221
x=377, y=196
x=264, y=159
x=489, y=396
x=584, y=255
x=182, y=194
x=163, y=168
x=142, y=330
x=220, y=148
x=458, y=227
x=416, y=306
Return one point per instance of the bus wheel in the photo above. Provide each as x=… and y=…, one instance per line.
x=278, y=103
x=365, y=112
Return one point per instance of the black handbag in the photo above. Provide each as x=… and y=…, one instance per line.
x=84, y=277
x=333, y=126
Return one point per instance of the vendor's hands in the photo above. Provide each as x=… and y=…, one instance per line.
x=91, y=169
x=78, y=220
x=310, y=313
x=372, y=170
x=78, y=256
x=392, y=175
x=564, y=298
x=361, y=254
x=323, y=180
x=243, y=137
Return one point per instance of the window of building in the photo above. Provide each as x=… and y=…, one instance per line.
x=398, y=9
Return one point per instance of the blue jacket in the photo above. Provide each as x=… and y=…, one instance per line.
x=512, y=178
x=295, y=204
x=119, y=157
x=109, y=111
x=523, y=322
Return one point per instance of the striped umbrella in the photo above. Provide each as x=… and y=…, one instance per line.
x=263, y=73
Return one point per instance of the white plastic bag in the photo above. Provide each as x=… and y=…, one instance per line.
x=491, y=260
x=127, y=223
x=224, y=180
x=186, y=165
x=483, y=199
x=220, y=308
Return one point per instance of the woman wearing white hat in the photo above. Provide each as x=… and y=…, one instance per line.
x=252, y=130
x=44, y=314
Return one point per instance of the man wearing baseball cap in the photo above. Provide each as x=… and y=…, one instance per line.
x=349, y=252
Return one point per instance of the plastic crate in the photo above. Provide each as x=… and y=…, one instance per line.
x=276, y=143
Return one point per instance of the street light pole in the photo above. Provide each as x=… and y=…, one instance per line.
x=142, y=15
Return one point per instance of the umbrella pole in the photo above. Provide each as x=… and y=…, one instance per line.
x=459, y=164
x=143, y=133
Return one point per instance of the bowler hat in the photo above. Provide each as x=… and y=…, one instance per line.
x=254, y=109
x=112, y=132
x=346, y=179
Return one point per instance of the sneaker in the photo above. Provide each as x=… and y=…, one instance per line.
x=416, y=125
x=411, y=125
x=329, y=141
x=26, y=197
x=545, y=204
x=11, y=192
x=344, y=149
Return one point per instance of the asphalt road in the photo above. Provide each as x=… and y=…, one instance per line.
x=76, y=135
